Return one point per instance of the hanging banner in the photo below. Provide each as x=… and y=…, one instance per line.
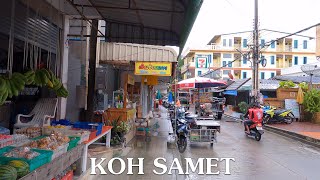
x=201, y=61
x=130, y=79
x=153, y=68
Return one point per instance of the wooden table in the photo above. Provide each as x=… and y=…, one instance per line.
x=106, y=131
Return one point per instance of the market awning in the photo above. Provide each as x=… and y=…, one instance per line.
x=126, y=52
x=231, y=92
x=232, y=89
x=153, y=22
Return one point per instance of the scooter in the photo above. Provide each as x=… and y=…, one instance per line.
x=182, y=133
x=256, y=130
x=278, y=116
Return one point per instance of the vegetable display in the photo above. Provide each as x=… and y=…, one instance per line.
x=8, y=172
x=21, y=167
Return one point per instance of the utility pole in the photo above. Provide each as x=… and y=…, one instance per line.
x=255, y=53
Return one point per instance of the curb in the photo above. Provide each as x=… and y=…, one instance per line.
x=232, y=117
x=299, y=137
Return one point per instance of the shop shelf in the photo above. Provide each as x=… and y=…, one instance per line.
x=44, y=158
x=90, y=126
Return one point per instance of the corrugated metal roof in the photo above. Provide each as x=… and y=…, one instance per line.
x=153, y=22
x=298, y=79
x=135, y=52
x=265, y=84
x=237, y=84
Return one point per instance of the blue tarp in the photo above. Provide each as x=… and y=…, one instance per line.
x=231, y=92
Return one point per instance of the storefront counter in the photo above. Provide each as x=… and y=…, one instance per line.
x=123, y=113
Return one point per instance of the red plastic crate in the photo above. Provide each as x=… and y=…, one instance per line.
x=68, y=176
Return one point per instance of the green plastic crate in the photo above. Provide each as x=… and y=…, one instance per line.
x=73, y=142
x=44, y=158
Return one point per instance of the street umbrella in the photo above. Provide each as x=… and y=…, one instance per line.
x=300, y=96
x=170, y=97
x=199, y=82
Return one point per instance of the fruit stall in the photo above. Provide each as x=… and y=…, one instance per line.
x=57, y=151
x=52, y=152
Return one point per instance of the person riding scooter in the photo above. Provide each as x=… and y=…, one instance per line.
x=254, y=115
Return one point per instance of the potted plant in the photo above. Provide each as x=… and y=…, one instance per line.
x=286, y=84
x=311, y=103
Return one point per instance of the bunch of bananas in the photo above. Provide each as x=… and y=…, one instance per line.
x=43, y=78
x=11, y=86
x=30, y=75
x=55, y=84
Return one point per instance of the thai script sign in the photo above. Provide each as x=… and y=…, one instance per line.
x=153, y=68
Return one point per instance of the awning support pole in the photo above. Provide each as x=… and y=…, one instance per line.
x=92, y=70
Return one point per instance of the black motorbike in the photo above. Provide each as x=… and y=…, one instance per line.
x=182, y=133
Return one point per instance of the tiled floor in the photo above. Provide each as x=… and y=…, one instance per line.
x=304, y=128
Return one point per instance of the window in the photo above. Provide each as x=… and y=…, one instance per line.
x=272, y=60
x=263, y=42
x=224, y=63
x=273, y=44
x=296, y=60
x=295, y=44
x=272, y=75
x=262, y=75
x=227, y=55
x=199, y=73
x=244, y=75
x=245, y=59
x=245, y=43
x=226, y=72
x=229, y=63
x=224, y=42
x=230, y=42
x=305, y=60
x=305, y=44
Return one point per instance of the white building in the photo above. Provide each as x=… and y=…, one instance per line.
x=222, y=55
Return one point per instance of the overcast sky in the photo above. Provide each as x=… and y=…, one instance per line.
x=227, y=16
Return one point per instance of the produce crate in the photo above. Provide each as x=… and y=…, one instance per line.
x=68, y=176
x=60, y=150
x=64, y=122
x=73, y=142
x=47, y=130
x=44, y=158
x=90, y=126
x=76, y=133
x=6, y=140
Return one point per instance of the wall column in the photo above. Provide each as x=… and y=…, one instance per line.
x=62, y=104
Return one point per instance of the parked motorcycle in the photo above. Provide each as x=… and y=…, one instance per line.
x=182, y=132
x=278, y=116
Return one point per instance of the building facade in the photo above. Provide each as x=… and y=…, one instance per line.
x=222, y=55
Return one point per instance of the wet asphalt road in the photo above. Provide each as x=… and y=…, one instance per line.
x=274, y=157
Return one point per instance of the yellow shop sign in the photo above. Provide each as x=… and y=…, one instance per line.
x=153, y=68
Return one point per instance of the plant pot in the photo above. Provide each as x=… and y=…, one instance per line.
x=316, y=118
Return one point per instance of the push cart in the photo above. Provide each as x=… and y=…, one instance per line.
x=205, y=131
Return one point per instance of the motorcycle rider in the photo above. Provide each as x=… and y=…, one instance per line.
x=254, y=114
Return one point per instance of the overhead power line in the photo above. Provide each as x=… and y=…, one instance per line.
x=292, y=34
